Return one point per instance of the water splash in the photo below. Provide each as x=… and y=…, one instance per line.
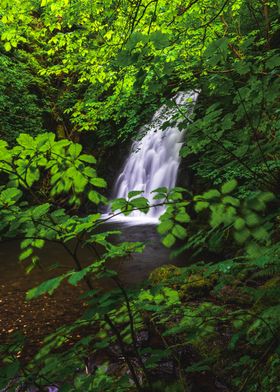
x=154, y=160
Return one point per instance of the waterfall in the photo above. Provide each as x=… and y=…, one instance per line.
x=154, y=160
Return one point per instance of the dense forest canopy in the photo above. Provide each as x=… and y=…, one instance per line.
x=99, y=62
x=78, y=78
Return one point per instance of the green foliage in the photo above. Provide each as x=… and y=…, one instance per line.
x=105, y=67
x=241, y=218
x=118, y=59
x=21, y=108
x=36, y=217
x=67, y=172
x=134, y=202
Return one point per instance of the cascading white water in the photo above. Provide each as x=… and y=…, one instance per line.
x=154, y=160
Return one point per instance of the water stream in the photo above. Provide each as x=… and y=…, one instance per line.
x=154, y=160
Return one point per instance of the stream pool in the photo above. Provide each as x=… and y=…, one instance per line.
x=43, y=315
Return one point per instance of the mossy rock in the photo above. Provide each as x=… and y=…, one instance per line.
x=164, y=273
x=197, y=285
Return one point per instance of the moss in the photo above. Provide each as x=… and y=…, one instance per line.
x=164, y=273
x=197, y=285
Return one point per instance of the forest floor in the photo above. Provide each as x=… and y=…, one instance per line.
x=37, y=318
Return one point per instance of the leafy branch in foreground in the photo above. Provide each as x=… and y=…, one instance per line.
x=181, y=307
x=36, y=217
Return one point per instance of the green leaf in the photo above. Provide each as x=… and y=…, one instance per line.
x=179, y=189
x=273, y=62
x=159, y=39
x=32, y=175
x=136, y=38
x=233, y=341
x=239, y=224
x=182, y=217
x=229, y=186
x=134, y=193
x=25, y=243
x=242, y=68
x=76, y=277
x=252, y=219
x=80, y=182
x=260, y=234
x=7, y=46
x=10, y=196
x=164, y=226
x=175, y=196
x=94, y=197
x=141, y=203
x=217, y=215
x=25, y=140
x=231, y=200
x=160, y=190
x=98, y=182
x=75, y=150
x=266, y=197
x=216, y=51
x=8, y=372
x=89, y=172
x=40, y=210
x=87, y=158
x=159, y=196
x=169, y=240
x=46, y=287
x=179, y=232
x=34, y=262
x=256, y=204
x=198, y=367
x=38, y=243
x=201, y=205
x=27, y=253
x=212, y=194
x=118, y=204
x=242, y=235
